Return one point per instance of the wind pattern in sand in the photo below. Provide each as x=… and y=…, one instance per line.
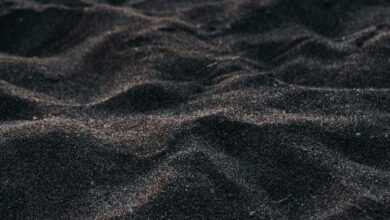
x=184, y=109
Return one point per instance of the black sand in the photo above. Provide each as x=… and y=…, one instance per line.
x=184, y=109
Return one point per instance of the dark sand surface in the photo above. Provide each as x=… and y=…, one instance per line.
x=195, y=109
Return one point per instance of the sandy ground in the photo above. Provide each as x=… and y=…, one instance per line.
x=184, y=109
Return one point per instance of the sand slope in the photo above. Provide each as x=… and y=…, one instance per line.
x=184, y=109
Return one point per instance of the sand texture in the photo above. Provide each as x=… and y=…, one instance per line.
x=195, y=109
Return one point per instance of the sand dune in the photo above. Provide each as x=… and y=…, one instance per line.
x=184, y=109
